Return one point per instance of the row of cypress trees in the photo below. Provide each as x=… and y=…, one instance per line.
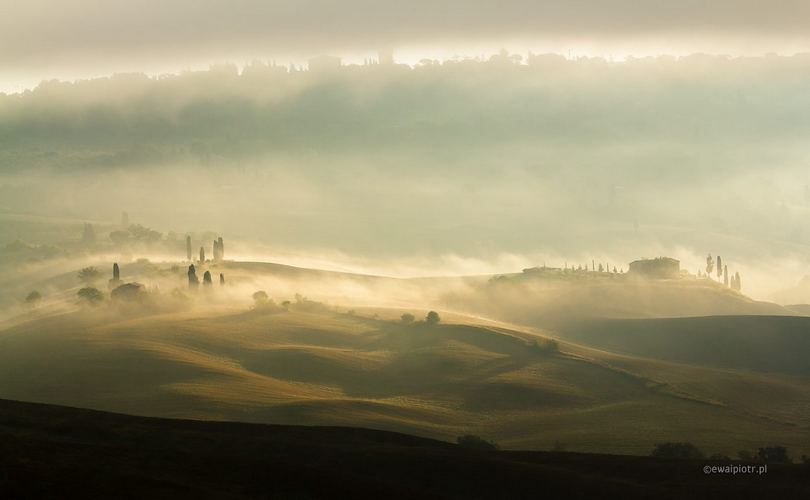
x=194, y=282
x=219, y=249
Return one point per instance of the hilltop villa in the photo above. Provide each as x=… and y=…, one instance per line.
x=661, y=267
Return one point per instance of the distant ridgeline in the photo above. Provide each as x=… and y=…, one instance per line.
x=228, y=114
x=657, y=268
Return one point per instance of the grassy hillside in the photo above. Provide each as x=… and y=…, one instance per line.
x=311, y=365
x=551, y=299
x=776, y=344
x=50, y=451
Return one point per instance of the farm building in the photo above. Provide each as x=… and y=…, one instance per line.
x=661, y=267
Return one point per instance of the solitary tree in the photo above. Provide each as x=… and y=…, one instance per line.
x=407, y=318
x=207, y=278
x=219, y=249
x=188, y=247
x=116, y=271
x=89, y=274
x=193, y=281
x=432, y=318
x=90, y=295
x=33, y=298
x=260, y=298
x=774, y=455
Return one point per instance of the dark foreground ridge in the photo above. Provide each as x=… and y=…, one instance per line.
x=57, y=452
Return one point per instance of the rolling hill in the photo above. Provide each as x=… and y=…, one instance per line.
x=772, y=344
x=552, y=299
x=51, y=451
x=544, y=300
x=312, y=365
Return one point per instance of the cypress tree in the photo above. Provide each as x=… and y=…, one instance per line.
x=725, y=275
x=116, y=272
x=202, y=254
x=193, y=282
x=207, y=278
x=221, y=279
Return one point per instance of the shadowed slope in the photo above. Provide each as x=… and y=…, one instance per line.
x=51, y=451
x=778, y=344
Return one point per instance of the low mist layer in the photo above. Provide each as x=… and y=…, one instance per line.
x=445, y=168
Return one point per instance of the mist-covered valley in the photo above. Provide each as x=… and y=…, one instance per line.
x=528, y=358
x=454, y=167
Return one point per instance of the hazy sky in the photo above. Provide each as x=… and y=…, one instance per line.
x=57, y=39
x=559, y=159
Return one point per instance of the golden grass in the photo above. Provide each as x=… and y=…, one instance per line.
x=330, y=368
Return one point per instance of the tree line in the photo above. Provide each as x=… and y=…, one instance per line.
x=716, y=265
